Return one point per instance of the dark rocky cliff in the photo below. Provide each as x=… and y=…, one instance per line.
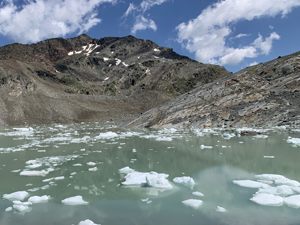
x=85, y=79
x=267, y=94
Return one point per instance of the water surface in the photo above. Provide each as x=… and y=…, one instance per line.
x=212, y=161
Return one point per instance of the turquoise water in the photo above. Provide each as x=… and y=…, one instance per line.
x=213, y=162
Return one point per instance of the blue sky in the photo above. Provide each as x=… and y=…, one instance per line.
x=231, y=33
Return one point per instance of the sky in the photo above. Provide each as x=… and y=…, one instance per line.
x=231, y=33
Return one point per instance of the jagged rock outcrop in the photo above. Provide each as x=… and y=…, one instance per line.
x=85, y=79
x=267, y=94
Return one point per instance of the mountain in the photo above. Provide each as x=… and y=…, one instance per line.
x=267, y=94
x=85, y=79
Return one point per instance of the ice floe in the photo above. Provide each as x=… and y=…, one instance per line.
x=292, y=201
x=250, y=184
x=107, y=135
x=76, y=200
x=22, y=208
x=34, y=173
x=220, y=209
x=187, y=181
x=197, y=193
x=295, y=142
x=227, y=136
x=151, y=179
x=126, y=170
x=267, y=199
x=93, y=169
x=163, y=139
x=19, y=195
x=90, y=163
x=87, y=222
x=203, y=147
x=39, y=199
x=193, y=203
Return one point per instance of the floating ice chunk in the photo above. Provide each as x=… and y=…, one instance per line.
x=140, y=179
x=269, y=157
x=296, y=189
x=269, y=177
x=145, y=200
x=282, y=190
x=33, y=166
x=220, y=209
x=126, y=170
x=292, y=201
x=228, y=136
x=193, y=203
x=158, y=180
x=197, y=193
x=87, y=222
x=133, y=150
x=38, y=199
x=261, y=136
x=288, y=182
x=22, y=208
x=8, y=209
x=118, y=61
x=250, y=184
x=187, y=181
x=15, y=171
x=76, y=200
x=107, y=135
x=267, y=200
x=78, y=164
x=47, y=180
x=34, y=173
x=19, y=195
x=93, y=169
x=293, y=141
x=203, y=146
x=163, y=139
x=17, y=202
x=90, y=163
x=59, y=178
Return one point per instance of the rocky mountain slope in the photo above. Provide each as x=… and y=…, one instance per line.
x=267, y=94
x=84, y=79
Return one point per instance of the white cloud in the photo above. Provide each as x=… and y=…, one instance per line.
x=242, y=35
x=253, y=64
x=207, y=35
x=271, y=27
x=37, y=20
x=142, y=23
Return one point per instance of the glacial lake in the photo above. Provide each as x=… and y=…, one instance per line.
x=65, y=174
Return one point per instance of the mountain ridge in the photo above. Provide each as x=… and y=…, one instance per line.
x=85, y=79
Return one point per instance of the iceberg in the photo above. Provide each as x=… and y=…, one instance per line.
x=76, y=200
x=193, y=203
x=292, y=201
x=187, y=181
x=250, y=184
x=22, y=208
x=19, y=195
x=267, y=200
x=91, y=164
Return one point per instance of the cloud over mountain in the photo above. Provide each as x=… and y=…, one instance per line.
x=207, y=35
x=37, y=20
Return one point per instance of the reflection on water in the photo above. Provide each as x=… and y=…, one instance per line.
x=67, y=154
